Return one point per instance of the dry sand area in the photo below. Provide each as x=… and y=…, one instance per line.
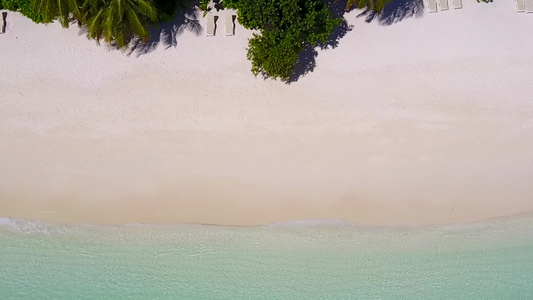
x=428, y=120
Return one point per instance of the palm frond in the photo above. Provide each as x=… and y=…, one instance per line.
x=136, y=25
x=116, y=21
x=146, y=8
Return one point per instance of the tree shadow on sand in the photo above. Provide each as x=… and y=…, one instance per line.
x=307, y=58
x=395, y=11
x=187, y=18
x=166, y=33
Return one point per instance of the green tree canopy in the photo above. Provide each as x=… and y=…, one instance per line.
x=273, y=54
x=25, y=8
x=287, y=28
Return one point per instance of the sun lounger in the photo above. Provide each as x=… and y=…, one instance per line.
x=529, y=6
x=210, y=28
x=520, y=6
x=432, y=6
x=457, y=4
x=229, y=25
x=443, y=4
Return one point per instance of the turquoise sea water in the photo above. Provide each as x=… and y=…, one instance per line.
x=303, y=260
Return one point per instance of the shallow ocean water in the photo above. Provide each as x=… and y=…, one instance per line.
x=301, y=260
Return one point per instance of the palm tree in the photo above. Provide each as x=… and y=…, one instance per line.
x=375, y=5
x=118, y=20
x=63, y=10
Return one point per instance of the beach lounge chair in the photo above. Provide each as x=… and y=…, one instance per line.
x=211, y=27
x=443, y=4
x=432, y=6
x=457, y=4
x=529, y=6
x=520, y=6
x=230, y=26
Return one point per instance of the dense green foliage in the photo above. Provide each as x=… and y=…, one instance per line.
x=230, y=3
x=62, y=10
x=273, y=54
x=24, y=7
x=373, y=5
x=287, y=27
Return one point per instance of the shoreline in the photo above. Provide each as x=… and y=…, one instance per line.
x=16, y=222
x=429, y=120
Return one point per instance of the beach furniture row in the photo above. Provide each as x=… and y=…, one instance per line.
x=524, y=6
x=211, y=27
x=443, y=5
x=435, y=5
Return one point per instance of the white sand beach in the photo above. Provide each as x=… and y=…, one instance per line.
x=427, y=120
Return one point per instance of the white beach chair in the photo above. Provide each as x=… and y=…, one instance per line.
x=432, y=4
x=520, y=6
x=211, y=26
x=230, y=26
x=529, y=6
x=443, y=4
x=457, y=4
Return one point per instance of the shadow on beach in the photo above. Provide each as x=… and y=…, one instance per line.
x=187, y=17
x=167, y=33
x=395, y=12
x=307, y=58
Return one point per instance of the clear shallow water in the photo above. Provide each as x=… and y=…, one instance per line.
x=304, y=260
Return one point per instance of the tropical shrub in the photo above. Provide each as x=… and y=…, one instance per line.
x=273, y=54
x=25, y=8
x=287, y=27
